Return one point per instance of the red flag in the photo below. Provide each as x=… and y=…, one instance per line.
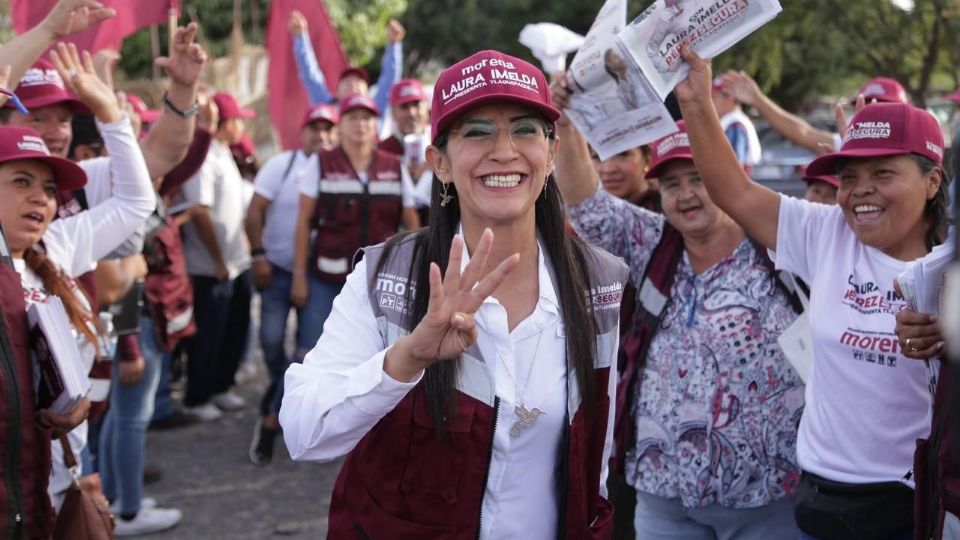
x=288, y=99
x=132, y=15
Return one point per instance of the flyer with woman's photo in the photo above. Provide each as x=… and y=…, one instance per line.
x=622, y=73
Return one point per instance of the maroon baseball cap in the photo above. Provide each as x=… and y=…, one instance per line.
x=406, y=91
x=954, y=96
x=883, y=90
x=485, y=77
x=672, y=147
x=355, y=72
x=228, y=107
x=885, y=129
x=320, y=112
x=41, y=86
x=146, y=115
x=357, y=101
x=18, y=143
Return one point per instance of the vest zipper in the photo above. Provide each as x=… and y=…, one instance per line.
x=12, y=464
x=486, y=477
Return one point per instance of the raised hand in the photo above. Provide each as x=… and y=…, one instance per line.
x=80, y=77
x=71, y=16
x=104, y=62
x=395, y=31
x=186, y=60
x=449, y=329
x=698, y=85
x=741, y=86
x=297, y=24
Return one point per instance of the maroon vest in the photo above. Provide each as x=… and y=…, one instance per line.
x=391, y=145
x=167, y=288
x=402, y=481
x=351, y=214
x=24, y=446
x=937, y=461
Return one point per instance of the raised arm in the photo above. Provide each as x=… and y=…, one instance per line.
x=574, y=170
x=307, y=67
x=753, y=206
x=391, y=66
x=166, y=144
x=98, y=231
x=791, y=126
x=67, y=17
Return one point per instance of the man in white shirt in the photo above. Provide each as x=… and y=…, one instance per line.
x=737, y=126
x=271, y=227
x=218, y=261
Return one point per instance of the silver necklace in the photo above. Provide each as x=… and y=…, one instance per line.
x=525, y=418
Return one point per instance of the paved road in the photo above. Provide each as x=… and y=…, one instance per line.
x=206, y=473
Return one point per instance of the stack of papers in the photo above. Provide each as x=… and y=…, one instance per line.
x=59, y=376
x=921, y=283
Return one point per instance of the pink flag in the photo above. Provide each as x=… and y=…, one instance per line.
x=132, y=15
x=288, y=100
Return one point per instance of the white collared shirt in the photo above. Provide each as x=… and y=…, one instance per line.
x=341, y=391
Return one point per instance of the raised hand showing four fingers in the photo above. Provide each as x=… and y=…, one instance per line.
x=449, y=329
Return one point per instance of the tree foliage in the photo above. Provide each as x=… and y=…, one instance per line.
x=362, y=26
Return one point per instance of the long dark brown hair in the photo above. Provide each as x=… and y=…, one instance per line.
x=565, y=251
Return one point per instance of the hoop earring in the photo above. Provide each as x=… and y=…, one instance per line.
x=445, y=196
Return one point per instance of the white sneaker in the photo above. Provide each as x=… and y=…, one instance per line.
x=145, y=503
x=208, y=412
x=148, y=520
x=228, y=401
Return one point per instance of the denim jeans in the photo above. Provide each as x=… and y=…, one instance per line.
x=657, y=518
x=222, y=314
x=123, y=433
x=275, y=306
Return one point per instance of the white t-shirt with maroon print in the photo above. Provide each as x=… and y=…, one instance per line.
x=866, y=404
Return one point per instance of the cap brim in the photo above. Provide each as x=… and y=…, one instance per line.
x=827, y=165
x=75, y=105
x=405, y=100
x=657, y=170
x=550, y=113
x=954, y=97
x=359, y=108
x=67, y=174
x=309, y=121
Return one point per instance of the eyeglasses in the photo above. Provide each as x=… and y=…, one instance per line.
x=522, y=133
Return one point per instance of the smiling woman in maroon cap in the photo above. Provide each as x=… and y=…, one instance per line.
x=465, y=368
x=867, y=402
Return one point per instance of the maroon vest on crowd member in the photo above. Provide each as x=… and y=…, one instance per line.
x=392, y=145
x=937, y=461
x=351, y=214
x=403, y=481
x=24, y=446
x=167, y=288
